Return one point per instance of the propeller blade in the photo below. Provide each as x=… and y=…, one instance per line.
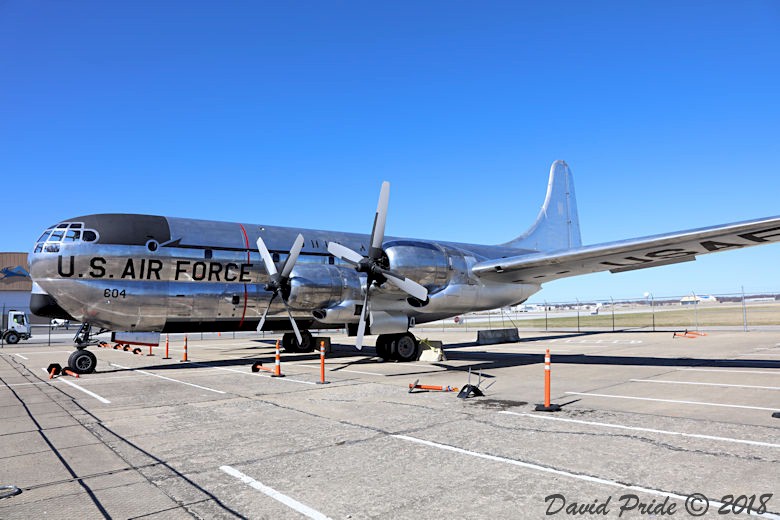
x=408, y=286
x=262, y=320
x=268, y=260
x=294, y=325
x=293, y=257
x=380, y=219
x=344, y=253
x=362, y=324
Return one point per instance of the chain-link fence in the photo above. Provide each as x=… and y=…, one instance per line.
x=692, y=312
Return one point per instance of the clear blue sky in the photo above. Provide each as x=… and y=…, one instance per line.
x=292, y=113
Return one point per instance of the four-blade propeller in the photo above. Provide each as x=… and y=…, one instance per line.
x=372, y=264
x=279, y=282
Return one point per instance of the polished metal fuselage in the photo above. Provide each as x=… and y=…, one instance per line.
x=148, y=273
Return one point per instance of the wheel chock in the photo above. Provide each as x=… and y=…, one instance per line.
x=435, y=388
x=54, y=370
x=258, y=366
x=470, y=391
x=776, y=415
x=69, y=372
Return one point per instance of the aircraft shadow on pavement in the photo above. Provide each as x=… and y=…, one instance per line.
x=474, y=360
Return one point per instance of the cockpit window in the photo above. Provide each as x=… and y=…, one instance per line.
x=68, y=232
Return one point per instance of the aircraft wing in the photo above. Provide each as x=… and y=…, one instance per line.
x=628, y=255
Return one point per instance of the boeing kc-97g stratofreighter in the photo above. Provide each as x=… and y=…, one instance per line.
x=142, y=273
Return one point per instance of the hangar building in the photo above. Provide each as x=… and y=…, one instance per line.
x=15, y=282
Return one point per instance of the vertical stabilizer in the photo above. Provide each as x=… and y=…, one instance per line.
x=557, y=227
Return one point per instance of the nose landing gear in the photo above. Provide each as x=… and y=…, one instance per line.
x=82, y=361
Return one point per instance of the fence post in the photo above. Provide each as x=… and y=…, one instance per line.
x=578, y=314
x=612, y=304
x=744, y=310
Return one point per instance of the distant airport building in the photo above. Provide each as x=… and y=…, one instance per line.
x=15, y=282
x=694, y=299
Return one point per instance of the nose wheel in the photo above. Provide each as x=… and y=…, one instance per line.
x=82, y=361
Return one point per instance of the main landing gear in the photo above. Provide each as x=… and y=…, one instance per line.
x=290, y=342
x=82, y=361
x=398, y=347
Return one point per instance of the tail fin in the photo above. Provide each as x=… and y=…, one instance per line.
x=557, y=227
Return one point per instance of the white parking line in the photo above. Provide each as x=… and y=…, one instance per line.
x=673, y=401
x=703, y=384
x=21, y=356
x=44, y=352
x=77, y=387
x=563, y=473
x=284, y=499
x=776, y=372
x=599, y=342
x=650, y=430
x=317, y=367
x=360, y=372
x=290, y=379
x=168, y=378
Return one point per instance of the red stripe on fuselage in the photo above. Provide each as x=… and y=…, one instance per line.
x=246, y=241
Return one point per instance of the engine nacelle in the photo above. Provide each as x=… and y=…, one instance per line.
x=388, y=322
x=425, y=263
x=318, y=286
x=344, y=312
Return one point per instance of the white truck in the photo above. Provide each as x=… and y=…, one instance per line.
x=18, y=327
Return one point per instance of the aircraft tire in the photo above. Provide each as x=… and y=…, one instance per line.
x=385, y=345
x=12, y=338
x=82, y=361
x=308, y=341
x=289, y=343
x=406, y=347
